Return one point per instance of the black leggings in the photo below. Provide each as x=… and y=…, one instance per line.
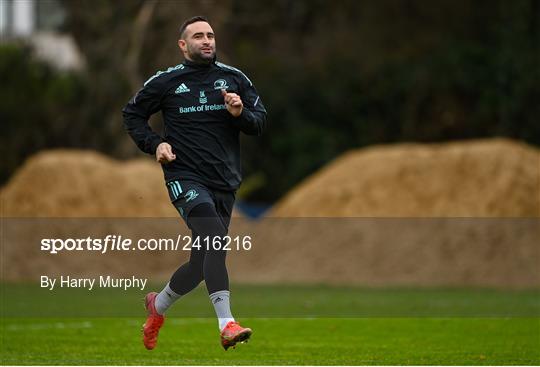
x=205, y=262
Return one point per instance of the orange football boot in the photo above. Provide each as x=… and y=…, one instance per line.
x=234, y=333
x=153, y=323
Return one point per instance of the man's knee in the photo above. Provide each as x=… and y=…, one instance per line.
x=204, y=220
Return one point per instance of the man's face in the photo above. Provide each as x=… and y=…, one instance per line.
x=198, y=43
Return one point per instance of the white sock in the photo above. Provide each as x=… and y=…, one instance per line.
x=165, y=299
x=222, y=306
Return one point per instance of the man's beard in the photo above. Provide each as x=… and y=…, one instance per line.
x=200, y=58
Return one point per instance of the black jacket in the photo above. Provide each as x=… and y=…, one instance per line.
x=203, y=134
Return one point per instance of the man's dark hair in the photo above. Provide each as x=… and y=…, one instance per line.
x=198, y=18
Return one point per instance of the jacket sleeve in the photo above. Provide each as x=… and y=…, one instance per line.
x=136, y=113
x=252, y=120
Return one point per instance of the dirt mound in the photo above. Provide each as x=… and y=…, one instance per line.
x=485, y=178
x=431, y=252
x=76, y=183
x=71, y=183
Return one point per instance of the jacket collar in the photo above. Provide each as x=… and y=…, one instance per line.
x=199, y=65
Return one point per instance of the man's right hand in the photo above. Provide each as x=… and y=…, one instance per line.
x=164, y=153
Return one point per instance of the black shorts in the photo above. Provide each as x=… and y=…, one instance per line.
x=186, y=195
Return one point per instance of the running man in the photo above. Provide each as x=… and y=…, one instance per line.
x=205, y=105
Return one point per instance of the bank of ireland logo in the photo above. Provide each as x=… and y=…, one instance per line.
x=191, y=195
x=220, y=84
x=202, y=97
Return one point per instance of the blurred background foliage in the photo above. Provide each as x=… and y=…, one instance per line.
x=334, y=75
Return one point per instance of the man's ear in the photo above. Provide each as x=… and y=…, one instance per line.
x=182, y=45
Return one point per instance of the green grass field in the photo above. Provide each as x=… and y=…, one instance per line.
x=292, y=325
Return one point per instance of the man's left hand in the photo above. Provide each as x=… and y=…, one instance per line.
x=233, y=102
